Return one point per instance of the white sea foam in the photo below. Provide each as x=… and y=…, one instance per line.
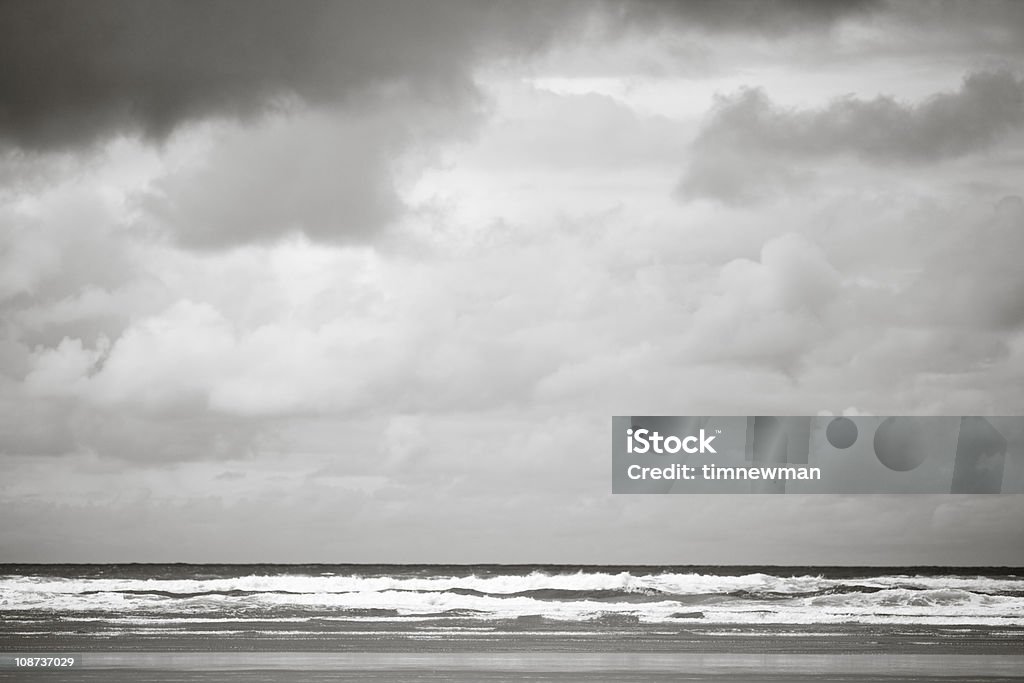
x=677, y=584
x=672, y=597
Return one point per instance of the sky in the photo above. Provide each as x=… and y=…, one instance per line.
x=366, y=282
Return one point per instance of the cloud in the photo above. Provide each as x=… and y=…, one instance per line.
x=772, y=18
x=58, y=243
x=751, y=147
x=191, y=359
x=80, y=71
x=202, y=319
x=328, y=174
x=33, y=427
x=993, y=27
x=544, y=132
x=332, y=96
x=773, y=310
x=70, y=265
x=974, y=281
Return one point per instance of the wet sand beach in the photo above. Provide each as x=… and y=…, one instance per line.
x=560, y=666
x=637, y=654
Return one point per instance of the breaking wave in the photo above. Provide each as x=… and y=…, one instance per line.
x=572, y=596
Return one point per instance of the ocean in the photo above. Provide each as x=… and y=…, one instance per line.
x=536, y=622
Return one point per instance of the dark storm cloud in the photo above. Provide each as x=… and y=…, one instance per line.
x=989, y=26
x=74, y=71
x=768, y=17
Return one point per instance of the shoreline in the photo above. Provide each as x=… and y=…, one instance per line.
x=534, y=637
x=274, y=666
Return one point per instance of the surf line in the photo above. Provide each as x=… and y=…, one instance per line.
x=714, y=472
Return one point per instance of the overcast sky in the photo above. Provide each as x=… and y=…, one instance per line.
x=365, y=282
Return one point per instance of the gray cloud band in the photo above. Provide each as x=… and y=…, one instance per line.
x=751, y=146
x=766, y=454
x=82, y=71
